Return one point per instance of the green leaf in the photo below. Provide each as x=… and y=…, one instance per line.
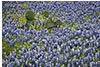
x=50, y=24
x=22, y=19
x=30, y=15
x=27, y=26
x=15, y=17
x=25, y=5
x=58, y=22
x=87, y=18
x=46, y=13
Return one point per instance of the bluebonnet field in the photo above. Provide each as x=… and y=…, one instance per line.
x=50, y=34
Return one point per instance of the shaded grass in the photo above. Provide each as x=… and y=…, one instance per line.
x=25, y=5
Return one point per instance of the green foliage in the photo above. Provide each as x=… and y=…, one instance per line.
x=25, y=5
x=61, y=53
x=87, y=18
x=58, y=22
x=37, y=27
x=30, y=15
x=15, y=17
x=46, y=13
x=28, y=24
x=99, y=49
x=22, y=19
x=50, y=24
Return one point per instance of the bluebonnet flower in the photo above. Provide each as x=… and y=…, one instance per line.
x=12, y=45
x=3, y=48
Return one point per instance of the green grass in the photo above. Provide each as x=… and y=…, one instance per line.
x=87, y=18
x=22, y=20
x=99, y=58
x=77, y=57
x=98, y=49
x=41, y=45
x=55, y=62
x=61, y=53
x=15, y=17
x=8, y=49
x=37, y=27
x=46, y=13
x=25, y=5
x=22, y=64
x=88, y=65
x=81, y=55
x=71, y=58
